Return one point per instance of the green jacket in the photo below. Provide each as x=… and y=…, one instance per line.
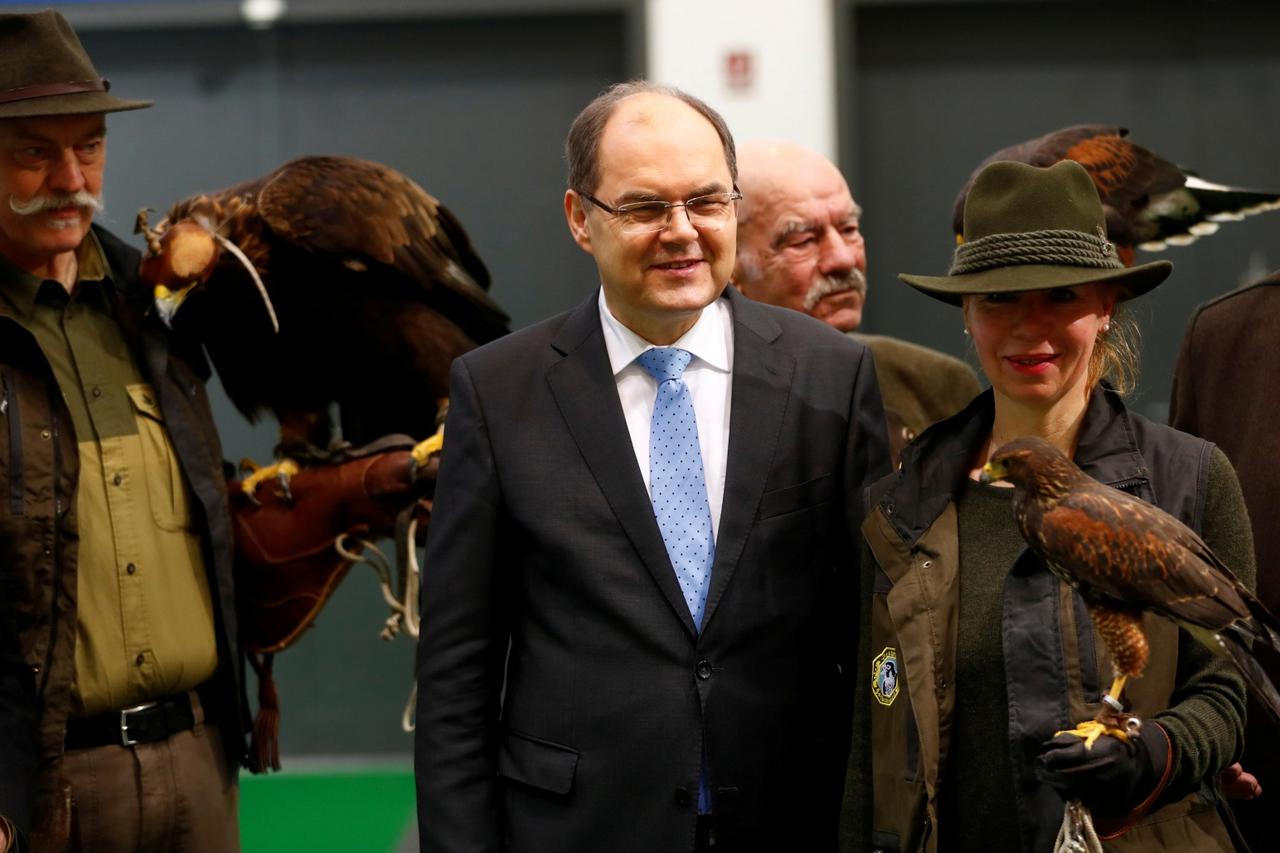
x=38, y=472
x=911, y=614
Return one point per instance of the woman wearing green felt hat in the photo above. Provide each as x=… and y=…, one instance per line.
x=992, y=653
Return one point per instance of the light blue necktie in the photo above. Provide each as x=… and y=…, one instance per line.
x=677, y=484
x=678, y=489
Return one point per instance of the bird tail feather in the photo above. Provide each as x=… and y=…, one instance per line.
x=1260, y=627
x=1238, y=646
x=1222, y=203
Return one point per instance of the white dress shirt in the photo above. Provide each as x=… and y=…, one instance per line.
x=709, y=378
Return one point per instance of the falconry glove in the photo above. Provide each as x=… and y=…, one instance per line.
x=1113, y=778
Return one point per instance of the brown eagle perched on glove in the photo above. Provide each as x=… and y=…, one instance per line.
x=1126, y=556
x=1149, y=202
x=331, y=279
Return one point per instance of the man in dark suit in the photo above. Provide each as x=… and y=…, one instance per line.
x=637, y=591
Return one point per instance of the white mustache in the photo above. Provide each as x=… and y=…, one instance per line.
x=830, y=284
x=55, y=201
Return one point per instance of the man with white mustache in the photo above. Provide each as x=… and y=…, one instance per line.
x=800, y=246
x=120, y=704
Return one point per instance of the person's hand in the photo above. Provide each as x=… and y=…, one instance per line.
x=1236, y=783
x=1113, y=777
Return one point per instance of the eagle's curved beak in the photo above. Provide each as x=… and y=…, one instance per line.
x=169, y=301
x=993, y=472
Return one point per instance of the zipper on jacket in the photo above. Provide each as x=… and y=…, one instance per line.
x=9, y=407
x=1128, y=485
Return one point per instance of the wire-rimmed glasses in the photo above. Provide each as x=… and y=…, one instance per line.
x=707, y=212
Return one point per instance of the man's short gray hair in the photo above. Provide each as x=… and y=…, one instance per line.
x=582, y=146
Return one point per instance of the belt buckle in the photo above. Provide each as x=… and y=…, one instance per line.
x=124, y=721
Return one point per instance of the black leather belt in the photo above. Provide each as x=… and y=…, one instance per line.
x=146, y=723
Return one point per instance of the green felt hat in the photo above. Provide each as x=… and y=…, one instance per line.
x=44, y=71
x=1032, y=228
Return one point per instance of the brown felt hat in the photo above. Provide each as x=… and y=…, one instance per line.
x=1033, y=228
x=44, y=71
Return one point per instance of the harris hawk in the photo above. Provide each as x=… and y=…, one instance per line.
x=1149, y=202
x=1125, y=557
x=329, y=280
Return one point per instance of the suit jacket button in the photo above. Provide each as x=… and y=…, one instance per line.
x=683, y=797
x=704, y=669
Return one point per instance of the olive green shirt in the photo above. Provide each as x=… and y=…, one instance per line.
x=145, y=615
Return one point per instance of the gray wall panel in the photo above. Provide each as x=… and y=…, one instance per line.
x=938, y=88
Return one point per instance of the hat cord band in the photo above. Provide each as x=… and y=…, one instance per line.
x=44, y=90
x=1054, y=246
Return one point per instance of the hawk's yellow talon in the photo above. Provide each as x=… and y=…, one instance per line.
x=1090, y=730
x=422, y=452
x=284, y=470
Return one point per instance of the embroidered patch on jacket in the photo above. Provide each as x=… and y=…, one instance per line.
x=884, y=676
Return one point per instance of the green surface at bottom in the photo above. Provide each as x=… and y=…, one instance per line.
x=353, y=812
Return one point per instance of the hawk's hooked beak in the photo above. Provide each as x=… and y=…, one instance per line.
x=169, y=301
x=993, y=472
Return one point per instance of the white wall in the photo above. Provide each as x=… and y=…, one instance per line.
x=791, y=49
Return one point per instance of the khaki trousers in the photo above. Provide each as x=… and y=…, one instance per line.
x=173, y=795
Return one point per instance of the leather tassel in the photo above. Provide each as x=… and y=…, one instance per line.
x=264, y=743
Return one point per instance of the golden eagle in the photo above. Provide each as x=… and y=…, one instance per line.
x=329, y=280
x=1126, y=556
x=1149, y=202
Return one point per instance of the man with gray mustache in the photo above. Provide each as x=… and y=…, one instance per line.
x=800, y=246
x=120, y=699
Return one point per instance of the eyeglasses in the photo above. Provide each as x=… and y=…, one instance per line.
x=706, y=212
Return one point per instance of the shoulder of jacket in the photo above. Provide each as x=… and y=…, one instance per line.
x=892, y=350
x=1178, y=464
x=1224, y=301
x=523, y=343
x=1152, y=435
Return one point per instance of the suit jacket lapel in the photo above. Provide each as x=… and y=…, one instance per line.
x=583, y=386
x=761, y=392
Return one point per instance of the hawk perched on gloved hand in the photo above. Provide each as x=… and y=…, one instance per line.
x=1149, y=202
x=1126, y=556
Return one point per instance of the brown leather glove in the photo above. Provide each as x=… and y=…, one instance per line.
x=286, y=565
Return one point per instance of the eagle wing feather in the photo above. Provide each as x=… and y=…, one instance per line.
x=357, y=209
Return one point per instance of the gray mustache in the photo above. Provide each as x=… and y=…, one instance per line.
x=830, y=284
x=55, y=201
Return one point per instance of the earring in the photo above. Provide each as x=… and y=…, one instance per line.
x=1106, y=327
x=966, y=331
